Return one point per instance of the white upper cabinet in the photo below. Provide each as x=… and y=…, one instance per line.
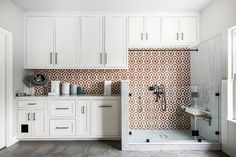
x=116, y=51
x=136, y=29
x=39, y=42
x=152, y=29
x=91, y=42
x=66, y=41
x=182, y=30
x=163, y=30
x=101, y=42
x=144, y=29
x=170, y=29
x=188, y=29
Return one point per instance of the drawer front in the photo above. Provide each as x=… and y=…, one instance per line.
x=31, y=104
x=62, y=127
x=62, y=108
x=106, y=118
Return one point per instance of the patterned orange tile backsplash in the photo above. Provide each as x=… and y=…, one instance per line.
x=146, y=68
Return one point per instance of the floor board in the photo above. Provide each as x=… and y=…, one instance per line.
x=91, y=149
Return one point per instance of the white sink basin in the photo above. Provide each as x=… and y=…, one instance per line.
x=195, y=111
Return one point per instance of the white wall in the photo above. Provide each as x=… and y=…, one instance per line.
x=11, y=18
x=216, y=18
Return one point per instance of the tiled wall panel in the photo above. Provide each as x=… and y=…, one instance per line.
x=170, y=68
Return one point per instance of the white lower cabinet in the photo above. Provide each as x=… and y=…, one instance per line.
x=83, y=119
x=32, y=122
x=40, y=123
x=62, y=128
x=24, y=123
x=106, y=118
x=62, y=108
x=88, y=117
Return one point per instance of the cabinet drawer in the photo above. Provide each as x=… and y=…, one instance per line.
x=62, y=127
x=32, y=104
x=62, y=108
x=106, y=118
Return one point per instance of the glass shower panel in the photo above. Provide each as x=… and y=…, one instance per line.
x=205, y=80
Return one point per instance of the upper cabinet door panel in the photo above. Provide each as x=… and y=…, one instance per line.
x=91, y=42
x=170, y=29
x=188, y=29
x=66, y=40
x=152, y=29
x=115, y=42
x=39, y=42
x=136, y=29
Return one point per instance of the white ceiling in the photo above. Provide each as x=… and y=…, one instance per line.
x=112, y=5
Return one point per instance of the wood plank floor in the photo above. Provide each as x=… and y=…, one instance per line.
x=91, y=149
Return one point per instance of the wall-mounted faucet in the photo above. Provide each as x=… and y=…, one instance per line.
x=159, y=92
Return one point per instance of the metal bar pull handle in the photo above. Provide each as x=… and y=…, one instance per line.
x=56, y=54
x=34, y=116
x=105, y=58
x=182, y=35
x=32, y=103
x=62, y=108
x=101, y=58
x=82, y=109
x=28, y=115
x=105, y=106
x=177, y=36
x=146, y=36
x=141, y=36
x=51, y=58
x=62, y=127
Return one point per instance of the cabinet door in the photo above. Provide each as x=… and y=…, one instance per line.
x=40, y=123
x=152, y=29
x=39, y=42
x=66, y=41
x=106, y=118
x=170, y=29
x=83, y=120
x=24, y=118
x=115, y=42
x=136, y=29
x=188, y=29
x=91, y=40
